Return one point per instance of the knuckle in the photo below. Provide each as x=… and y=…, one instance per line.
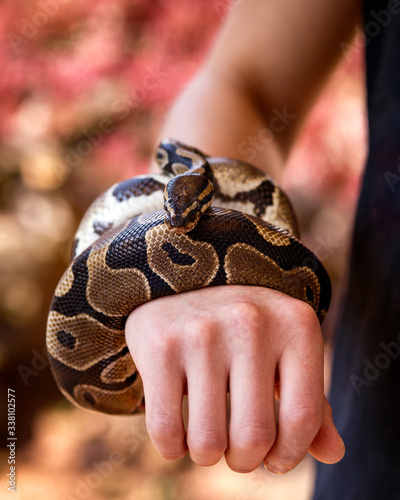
x=250, y=446
x=246, y=326
x=168, y=340
x=303, y=418
x=202, y=334
x=245, y=315
x=303, y=327
x=255, y=437
x=304, y=315
x=164, y=348
x=163, y=430
x=207, y=443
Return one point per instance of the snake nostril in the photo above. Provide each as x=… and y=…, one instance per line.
x=174, y=220
x=179, y=220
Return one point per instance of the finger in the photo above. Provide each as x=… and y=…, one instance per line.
x=207, y=436
x=252, y=425
x=328, y=446
x=301, y=406
x=163, y=398
x=163, y=383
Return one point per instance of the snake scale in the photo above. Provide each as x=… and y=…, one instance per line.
x=203, y=221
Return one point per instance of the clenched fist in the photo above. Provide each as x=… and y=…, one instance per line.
x=256, y=344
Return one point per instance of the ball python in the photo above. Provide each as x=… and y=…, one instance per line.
x=203, y=221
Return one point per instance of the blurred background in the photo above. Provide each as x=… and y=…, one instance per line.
x=83, y=89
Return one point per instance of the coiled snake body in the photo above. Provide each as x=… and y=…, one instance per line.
x=129, y=250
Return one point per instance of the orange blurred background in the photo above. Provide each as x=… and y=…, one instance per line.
x=83, y=89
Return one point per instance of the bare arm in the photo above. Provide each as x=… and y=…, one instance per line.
x=270, y=57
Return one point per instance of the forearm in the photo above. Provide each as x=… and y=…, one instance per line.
x=222, y=119
x=253, y=92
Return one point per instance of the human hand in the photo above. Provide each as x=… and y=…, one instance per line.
x=254, y=342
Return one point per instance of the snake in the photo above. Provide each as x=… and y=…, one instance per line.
x=202, y=221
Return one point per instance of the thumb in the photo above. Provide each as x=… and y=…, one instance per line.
x=327, y=447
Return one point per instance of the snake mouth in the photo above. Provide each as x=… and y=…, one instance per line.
x=180, y=229
x=179, y=224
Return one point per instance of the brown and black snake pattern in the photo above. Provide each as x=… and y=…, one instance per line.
x=138, y=258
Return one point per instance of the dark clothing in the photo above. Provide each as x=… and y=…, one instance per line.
x=365, y=392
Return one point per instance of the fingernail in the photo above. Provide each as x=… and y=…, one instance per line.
x=275, y=469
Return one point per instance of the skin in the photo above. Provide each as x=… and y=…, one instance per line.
x=256, y=343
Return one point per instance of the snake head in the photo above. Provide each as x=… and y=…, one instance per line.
x=186, y=198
